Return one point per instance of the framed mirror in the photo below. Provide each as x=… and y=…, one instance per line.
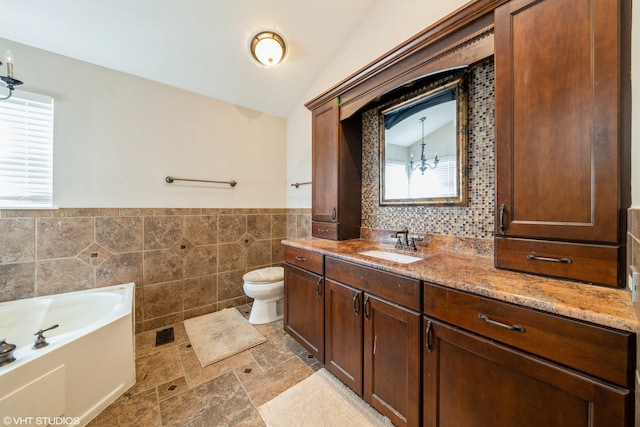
x=423, y=148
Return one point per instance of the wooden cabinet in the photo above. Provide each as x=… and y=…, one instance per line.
x=560, y=192
x=373, y=344
x=304, y=300
x=489, y=363
x=392, y=360
x=336, y=174
x=344, y=333
x=472, y=381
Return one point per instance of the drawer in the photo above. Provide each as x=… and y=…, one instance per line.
x=308, y=260
x=589, y=263
x=398, y=289
x=325, y=230
x=598, y=351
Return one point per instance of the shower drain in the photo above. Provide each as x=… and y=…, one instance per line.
x=164, y=336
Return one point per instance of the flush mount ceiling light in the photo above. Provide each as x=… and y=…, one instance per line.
x=268, y=48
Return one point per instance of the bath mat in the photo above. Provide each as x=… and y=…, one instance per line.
x=216, y=336
x=320, y=400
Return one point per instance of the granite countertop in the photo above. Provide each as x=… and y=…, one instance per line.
x=457, y=267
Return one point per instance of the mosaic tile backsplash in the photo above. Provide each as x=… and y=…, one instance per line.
x=474, y=220
x=185, y=262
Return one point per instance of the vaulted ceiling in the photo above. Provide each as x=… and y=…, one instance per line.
x=196, y=45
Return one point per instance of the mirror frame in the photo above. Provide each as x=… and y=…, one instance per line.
x=461, y=197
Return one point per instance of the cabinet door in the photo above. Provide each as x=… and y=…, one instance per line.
x=325, y=157
x=304, y=309
x=472, y=381
x=343, y=333
x=557, y=119
x=392, y=360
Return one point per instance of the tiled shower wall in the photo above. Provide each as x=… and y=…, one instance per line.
x=185, y=262
x=474, y=220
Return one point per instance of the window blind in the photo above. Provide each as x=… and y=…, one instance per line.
x=26, y=151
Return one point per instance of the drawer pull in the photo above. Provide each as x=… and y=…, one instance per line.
x=532, y=257
x=323, y=230
x=299, y=258
x=502, y=325
x=428, y=337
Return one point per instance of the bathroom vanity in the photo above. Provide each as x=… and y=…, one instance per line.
x=449, y=340
x=445, y=336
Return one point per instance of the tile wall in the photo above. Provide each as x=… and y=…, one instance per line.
x=474, y=220
x=185, y=262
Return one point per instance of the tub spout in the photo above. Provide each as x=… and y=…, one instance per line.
x=6, y=352
x=40, y=340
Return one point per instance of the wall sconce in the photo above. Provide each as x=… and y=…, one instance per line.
x=423, y=165
x=268, y=48
x=8, y=80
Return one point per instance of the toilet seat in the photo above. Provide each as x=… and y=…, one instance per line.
x=266, y=287
x=264, y=275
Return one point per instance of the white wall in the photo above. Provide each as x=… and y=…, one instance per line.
x=383, y=29
x=117, y=136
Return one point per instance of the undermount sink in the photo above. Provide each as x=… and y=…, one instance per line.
x=391, y=256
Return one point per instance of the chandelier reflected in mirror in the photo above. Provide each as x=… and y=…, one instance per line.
x=423, y=164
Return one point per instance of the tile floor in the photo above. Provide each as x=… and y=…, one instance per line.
x=172, y=389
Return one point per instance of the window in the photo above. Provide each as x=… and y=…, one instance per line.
x=26, y=151
x=438, y=182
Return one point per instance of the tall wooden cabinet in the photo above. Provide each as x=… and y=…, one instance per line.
x=560, y=196
x=336, y=174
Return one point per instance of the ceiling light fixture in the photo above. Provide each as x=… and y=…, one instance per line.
x=8, y=80
x=268, y=48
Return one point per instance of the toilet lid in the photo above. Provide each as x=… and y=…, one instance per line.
x=265, y=275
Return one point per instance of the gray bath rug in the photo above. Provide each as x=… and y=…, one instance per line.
x=216, y=336
x=320, y=400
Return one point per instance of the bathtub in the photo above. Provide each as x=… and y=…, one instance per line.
x=88, y=363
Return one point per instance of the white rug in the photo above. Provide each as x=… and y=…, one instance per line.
x=320, y=400
x=216, y=336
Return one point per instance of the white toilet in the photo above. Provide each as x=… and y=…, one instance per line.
x=266, y=287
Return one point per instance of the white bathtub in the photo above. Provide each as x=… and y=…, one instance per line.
x=88, y=363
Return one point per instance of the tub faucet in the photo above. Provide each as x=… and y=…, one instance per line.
x=40, y=340
x=6, y=352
